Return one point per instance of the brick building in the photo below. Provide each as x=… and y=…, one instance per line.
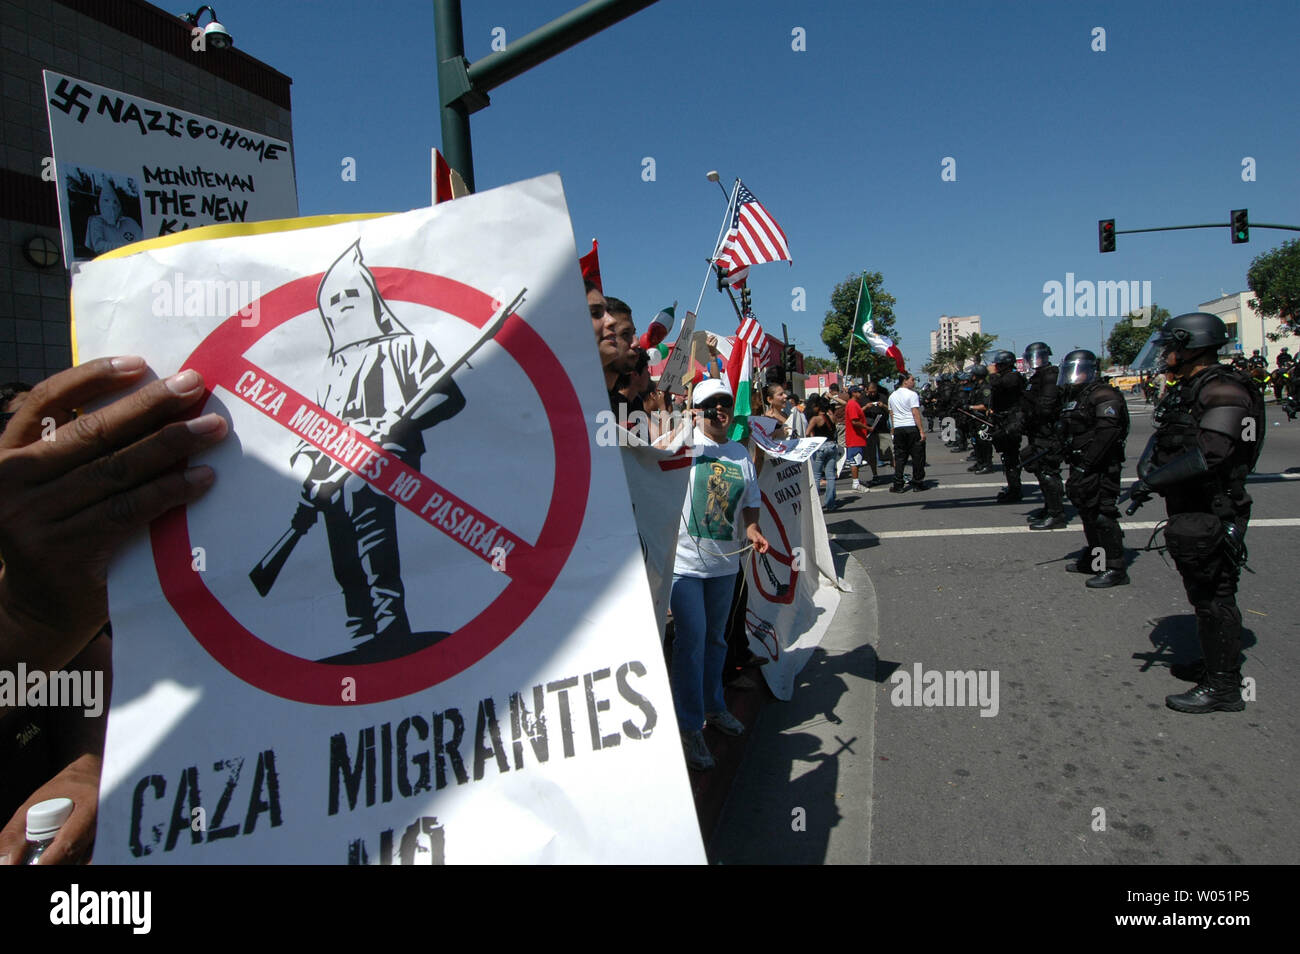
x=128, y=45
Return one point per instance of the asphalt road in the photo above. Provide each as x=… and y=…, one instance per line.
x=1082, y=762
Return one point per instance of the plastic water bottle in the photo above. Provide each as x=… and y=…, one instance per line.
x=44, y=819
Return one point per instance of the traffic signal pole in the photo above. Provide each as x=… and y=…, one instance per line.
x=1240, y=228
x=463, y=87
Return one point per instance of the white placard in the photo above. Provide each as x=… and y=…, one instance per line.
x=500, y=696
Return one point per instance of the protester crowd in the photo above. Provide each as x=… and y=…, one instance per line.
x=74, y=487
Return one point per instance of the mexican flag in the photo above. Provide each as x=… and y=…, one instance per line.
x=740, y=373
x=864, y=330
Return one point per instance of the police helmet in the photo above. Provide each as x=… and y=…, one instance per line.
x=1037, y=355
x=1192, y=332
x=1003, y=360
x=964, y=376
x=1077, y=369
x=980, y=371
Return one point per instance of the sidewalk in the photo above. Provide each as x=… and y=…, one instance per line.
x=801, y=791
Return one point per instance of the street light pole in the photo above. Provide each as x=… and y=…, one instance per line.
x=463, y=89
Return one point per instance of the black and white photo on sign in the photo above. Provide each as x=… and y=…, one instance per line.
x=103, y=208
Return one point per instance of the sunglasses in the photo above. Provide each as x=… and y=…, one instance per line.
x=719, y=405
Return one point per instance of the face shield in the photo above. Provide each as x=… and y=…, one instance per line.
x=1150, y=356
x=1036, y=358
x=1076, y=371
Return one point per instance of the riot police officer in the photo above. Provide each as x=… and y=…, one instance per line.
x=961, y=402
x=1008, y=387
x=981, y=397
x=1042, y=414
x=1209, y=433
x=1095, y=424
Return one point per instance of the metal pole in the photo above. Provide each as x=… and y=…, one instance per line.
x=546, y=41
x=853, y=326
x=726, y=220
x=449, y=45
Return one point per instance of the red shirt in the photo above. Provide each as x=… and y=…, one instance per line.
x=852, y=436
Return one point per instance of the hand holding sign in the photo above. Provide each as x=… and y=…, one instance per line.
x=70, y=496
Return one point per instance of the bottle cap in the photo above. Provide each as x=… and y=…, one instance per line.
x=45, y=818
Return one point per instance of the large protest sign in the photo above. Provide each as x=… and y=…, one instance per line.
x=656, y=481
x=286, y=687
x=130, y=169
x=793, y=588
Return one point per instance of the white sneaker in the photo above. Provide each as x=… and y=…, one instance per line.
x=857, y=486
x=725, y=722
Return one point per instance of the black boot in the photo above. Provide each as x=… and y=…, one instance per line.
x=1108, y=579
x=1189, y=672
x=1009, y=495
x=1051, y=521
x=1038, y=514
x=1217, y=692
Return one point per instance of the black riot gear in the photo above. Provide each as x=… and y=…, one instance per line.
x=1007, y=389
x=1077, y=369
x=980, y=371
x=1037, y=354
x=1210, y=431
x=1193, y=331
x=1042, y=405
x=1095, y=424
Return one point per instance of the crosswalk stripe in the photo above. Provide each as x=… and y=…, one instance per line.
x=1074, y=527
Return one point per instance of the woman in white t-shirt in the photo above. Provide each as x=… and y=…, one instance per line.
x=722, y=500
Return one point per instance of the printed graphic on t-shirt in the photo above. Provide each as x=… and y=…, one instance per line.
x=716, y=486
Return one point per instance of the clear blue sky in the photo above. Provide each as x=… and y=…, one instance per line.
x=842, y=142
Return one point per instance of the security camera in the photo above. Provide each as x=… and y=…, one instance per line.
x=217, y=36
x=214, y=33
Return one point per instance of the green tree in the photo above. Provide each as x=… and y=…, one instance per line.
x=975, y=344
x=814, y=365
x=838, y=324
x=1274, y=277
x=1127, y=338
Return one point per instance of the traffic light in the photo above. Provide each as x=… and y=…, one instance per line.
x=745, y=301
x=790, y=362
x=1240, y=226
x=1106, y=235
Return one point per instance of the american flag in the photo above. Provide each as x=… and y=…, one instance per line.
x=754, y=236
x=751, y=333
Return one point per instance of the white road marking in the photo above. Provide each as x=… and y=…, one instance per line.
x=1030, y=483
x=1074, y=527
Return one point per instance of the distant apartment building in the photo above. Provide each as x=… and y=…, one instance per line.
x=951, y=328
x=1247, y=328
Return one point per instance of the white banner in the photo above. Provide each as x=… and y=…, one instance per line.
x=793, y=591
x=130, y=169
x=656, y=480
x=797, y=449
x=285, y=689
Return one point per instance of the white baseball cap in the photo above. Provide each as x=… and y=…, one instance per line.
x=710, y=388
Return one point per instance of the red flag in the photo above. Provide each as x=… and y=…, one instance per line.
x=447, y=183
x=591, y=267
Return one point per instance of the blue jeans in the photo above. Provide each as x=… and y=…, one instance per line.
x=700, y=608
x=824, y=460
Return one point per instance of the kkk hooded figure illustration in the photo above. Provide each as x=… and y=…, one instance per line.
x=376, y=373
